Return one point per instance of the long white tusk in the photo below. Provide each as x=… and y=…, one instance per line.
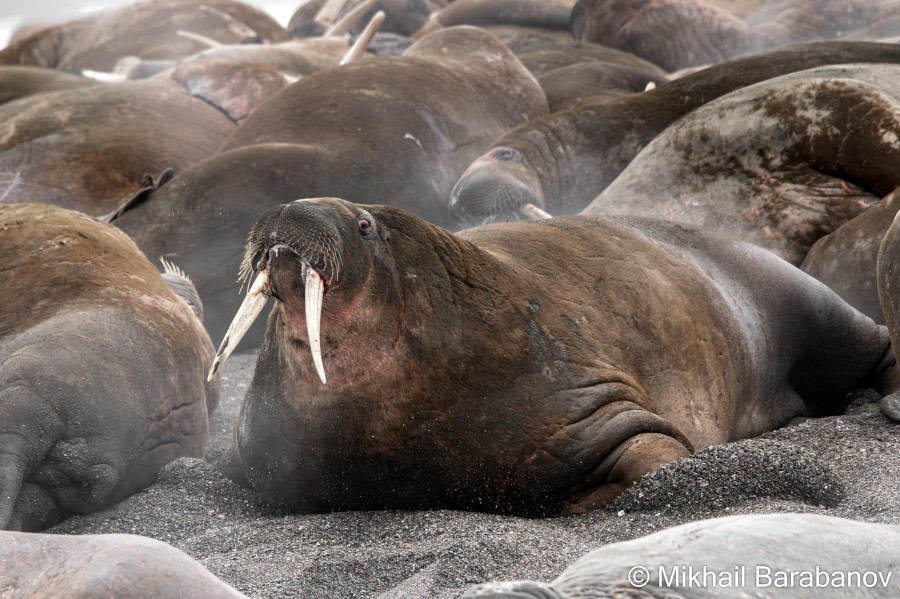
x=315, y=289
x=246, y=315
x=200, y=39
x=532, y=212
x=362, y=42
x=237, y=27
x=346, y=23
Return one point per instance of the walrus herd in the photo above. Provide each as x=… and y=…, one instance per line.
x=497, y=256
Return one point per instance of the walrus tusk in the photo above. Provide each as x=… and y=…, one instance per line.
x=329, y=11
x=246, y=315
x=362, y=42
x=200, y=39
x=315, y=289
x=350, y=19
x=237, y=27
x=532, y=212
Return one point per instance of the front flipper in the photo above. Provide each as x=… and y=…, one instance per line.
x=632, y=459
x=610, y=441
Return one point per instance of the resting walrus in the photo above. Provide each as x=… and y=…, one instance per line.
x=101, y=367
x=528, y=368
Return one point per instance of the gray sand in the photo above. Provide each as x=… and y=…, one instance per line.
x=840, y=466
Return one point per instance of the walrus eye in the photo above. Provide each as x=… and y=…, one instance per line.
x=366, y=225
x=505, y=154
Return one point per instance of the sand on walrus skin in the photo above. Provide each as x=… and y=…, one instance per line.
x=840, y=466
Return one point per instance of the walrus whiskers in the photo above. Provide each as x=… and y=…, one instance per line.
x=250, y=309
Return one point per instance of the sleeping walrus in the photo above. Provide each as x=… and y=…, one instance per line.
x=101, y=367
x=481, y=371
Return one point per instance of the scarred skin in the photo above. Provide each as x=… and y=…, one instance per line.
x=480, y=371
x=101, y=368
x=146, y=29
x=780, y=163
x=562, y=161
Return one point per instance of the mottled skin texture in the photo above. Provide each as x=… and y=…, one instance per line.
x=846, y=259
x=561, y=162
x=93, y=566
x=102, y=368
x=147, y=29
x=479, y=371
x=398, y=129
x=781, y=163
x=87, y=149
x=781, y=542
x=20, y=81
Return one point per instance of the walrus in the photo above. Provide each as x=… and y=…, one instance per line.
x=567, y=86
x=540, y=54
x=888, y=283
x=769, y=555
x=562, y=161
x=677, y=34
x=846, y=260
x=88, y=148
x=104, y=565
x=292, y=58
x=673, y=34
x=19, y=81
x=780, y=163
x=404, y=366
x=157, y=29
x=101, y=367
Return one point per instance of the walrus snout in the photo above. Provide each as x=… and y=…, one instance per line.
x=499, y=183
x=304, y=242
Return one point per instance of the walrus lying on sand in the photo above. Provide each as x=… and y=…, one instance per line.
x=101, y=367
x=529, y=368
x=108, y=565
x=771, y=555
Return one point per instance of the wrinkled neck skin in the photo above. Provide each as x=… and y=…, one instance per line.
x=405, y=377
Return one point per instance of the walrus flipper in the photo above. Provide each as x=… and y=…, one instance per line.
x=21, y=449
x=148, y=188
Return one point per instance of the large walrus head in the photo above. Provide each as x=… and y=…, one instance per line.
x=298, y=253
